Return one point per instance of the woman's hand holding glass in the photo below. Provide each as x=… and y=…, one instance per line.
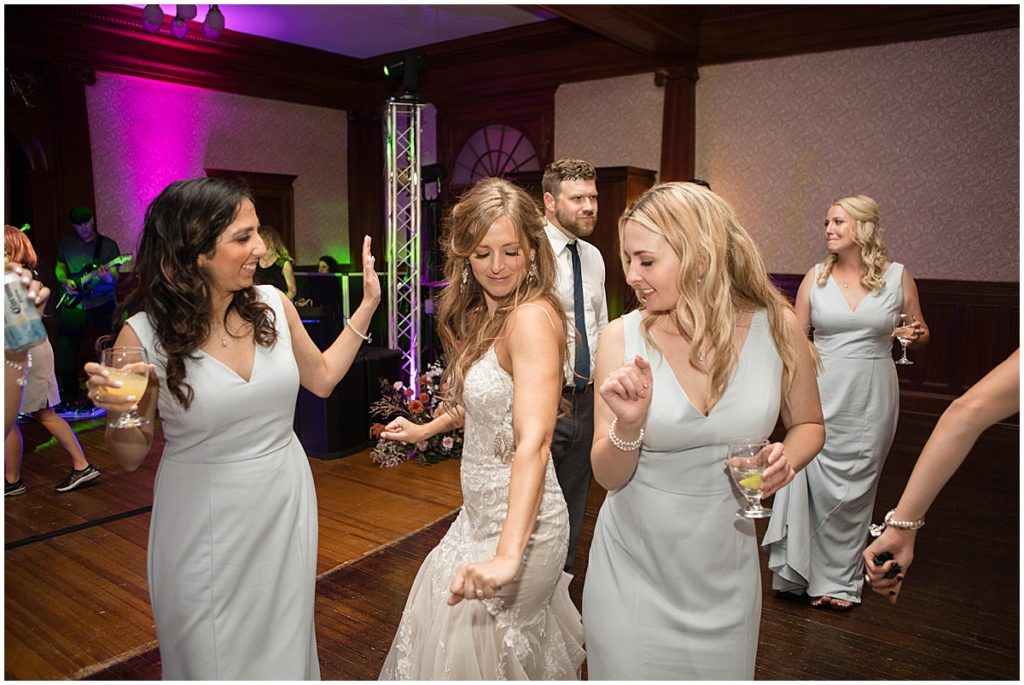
x=118, y=383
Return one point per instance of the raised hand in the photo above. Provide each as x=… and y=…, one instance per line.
x=371, y=284
x=627, y=391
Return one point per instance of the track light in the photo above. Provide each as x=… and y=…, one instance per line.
x=214, y=23
x=152, y=18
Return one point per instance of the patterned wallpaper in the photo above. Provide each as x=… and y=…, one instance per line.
x=929, y=129
x=146, y=134
x=611, y=122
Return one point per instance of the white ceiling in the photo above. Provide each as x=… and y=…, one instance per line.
x=363, y=31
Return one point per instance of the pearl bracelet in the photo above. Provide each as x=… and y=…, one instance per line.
x=21, y=368
x=889, y=522
x=367, y=337
x=630, y=446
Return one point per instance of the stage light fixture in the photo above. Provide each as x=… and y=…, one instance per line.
x=214, y=23
x=152, y=18
x=407, y=70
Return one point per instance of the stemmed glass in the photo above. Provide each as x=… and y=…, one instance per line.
x=130, y=365
x=747, y=461
x=903, y=328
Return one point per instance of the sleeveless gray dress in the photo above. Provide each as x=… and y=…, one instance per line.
x=233, y=536
x=673, y=585
x=820, y=526
x=531, y=630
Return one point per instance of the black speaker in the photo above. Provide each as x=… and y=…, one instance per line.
x=339, y=425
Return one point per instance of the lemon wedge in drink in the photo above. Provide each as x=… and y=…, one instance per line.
x=753, y=482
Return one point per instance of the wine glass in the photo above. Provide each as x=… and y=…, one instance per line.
x=130, y=365
x=747, y=461
x=903, y=328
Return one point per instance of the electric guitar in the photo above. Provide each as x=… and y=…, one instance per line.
x=84, y=279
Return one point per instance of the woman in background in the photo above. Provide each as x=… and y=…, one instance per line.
x=491, y=601
x=275, y=267
x=40, y=396
x=673, y=586
x=850, y=300
x=233, y=536
x=328, y=265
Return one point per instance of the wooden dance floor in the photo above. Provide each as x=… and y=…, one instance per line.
x=76, y=604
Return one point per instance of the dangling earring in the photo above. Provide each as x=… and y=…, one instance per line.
x=531, y=275
x=465, y=275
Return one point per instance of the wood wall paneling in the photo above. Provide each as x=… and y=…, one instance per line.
x=679, y=123
x=974, y=326
x=617, y=188
x=366, y=182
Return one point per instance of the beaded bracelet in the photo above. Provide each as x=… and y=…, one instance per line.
x=367, y=337
x=630, y=446
x=889, y=522
x=21, y=368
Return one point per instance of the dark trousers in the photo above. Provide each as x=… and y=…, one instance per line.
x=570, y=451
x=73, y=325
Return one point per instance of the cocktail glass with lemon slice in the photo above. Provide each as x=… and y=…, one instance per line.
x=747, y=461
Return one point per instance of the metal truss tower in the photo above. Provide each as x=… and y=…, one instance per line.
x=403, y=239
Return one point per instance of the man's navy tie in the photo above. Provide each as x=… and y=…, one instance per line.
x=581, y=368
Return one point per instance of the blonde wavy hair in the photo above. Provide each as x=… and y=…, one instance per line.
x=464, y=326
x=721, y=274
x=868, y=237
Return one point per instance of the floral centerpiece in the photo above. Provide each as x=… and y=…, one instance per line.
x=398, y=400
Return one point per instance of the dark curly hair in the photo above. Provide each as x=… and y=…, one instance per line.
x=183, y=222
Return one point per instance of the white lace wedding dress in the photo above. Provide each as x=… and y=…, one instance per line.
x=531, y=629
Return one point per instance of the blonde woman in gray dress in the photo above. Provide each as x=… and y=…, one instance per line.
x=850, y=300
x=673, y=586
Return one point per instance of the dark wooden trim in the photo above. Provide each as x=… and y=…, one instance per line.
x=749, y=32
x=110, y=38
x=679, y=123
x=366, y=183
x=275, y=199
x=974, y=326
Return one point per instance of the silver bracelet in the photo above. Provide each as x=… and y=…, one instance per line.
x=630, y=446
x=21, y=368
x=889, y=522
x=367, y=337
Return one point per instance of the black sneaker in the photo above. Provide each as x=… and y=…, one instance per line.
x=15, y=488
x=76, y=478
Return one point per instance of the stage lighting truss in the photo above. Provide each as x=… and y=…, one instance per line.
x=403, y=239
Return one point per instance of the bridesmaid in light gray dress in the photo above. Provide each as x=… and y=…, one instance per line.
x=821, y=520
x=673, y=583
x=233, y=538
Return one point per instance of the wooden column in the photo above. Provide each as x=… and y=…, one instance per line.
x=365, y=183
x=678, y=129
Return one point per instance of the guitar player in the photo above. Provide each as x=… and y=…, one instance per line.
x=88, y=281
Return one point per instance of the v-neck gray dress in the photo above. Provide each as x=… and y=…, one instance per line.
x=821, y=520
x=233, y=535
x=673, y=588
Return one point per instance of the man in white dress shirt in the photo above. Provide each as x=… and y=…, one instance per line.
x=570, y=207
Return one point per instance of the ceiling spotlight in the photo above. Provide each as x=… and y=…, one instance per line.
x=179, y=27
x=407, y=70
x=214, y=23
x=152, y=18
x=187, y=12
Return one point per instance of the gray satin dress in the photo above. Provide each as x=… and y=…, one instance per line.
x=820, y=526
x=233, y=535
x=673, y=588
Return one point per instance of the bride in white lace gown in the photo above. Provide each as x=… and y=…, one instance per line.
x=491, y=601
